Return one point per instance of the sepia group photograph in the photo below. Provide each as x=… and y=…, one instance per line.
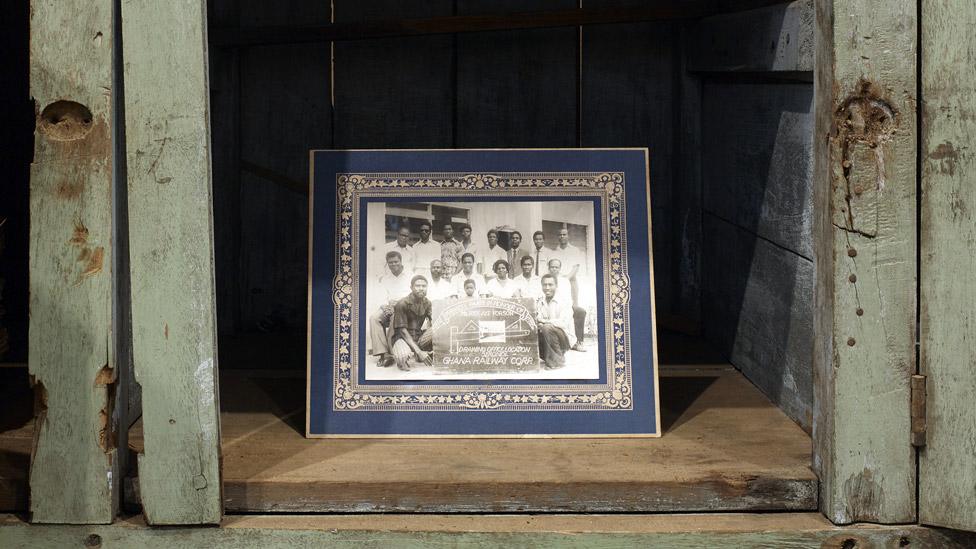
x=480, y=290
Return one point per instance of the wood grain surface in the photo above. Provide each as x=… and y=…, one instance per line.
x=771, y=39
x=757, y=308
x=729, y=530
x=947, y=463
x=171, y=258
x=73, y=473
x=865, y=253
x=725, y=447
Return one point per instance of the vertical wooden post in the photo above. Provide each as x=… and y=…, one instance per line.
x=947, y=464
x=73, y=475
x=171, y=258
x=864, y=203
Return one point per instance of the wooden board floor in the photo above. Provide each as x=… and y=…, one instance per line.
x=16, y=437
x=725, y=448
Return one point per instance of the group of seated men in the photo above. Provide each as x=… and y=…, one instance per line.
x=399, y=329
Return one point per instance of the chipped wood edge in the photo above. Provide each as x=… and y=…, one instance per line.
x=864, y=248
x=174, y=344
x=583, y=531
x=947, y=464
x=74, y=471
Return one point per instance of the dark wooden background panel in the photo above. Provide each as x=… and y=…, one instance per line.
x=225, y=111
x=758, y=164
x=285, y=111
x=757, y=307
x=756, y=139
x=775, y=38
x=394, y=92
x=517, y=88
x=628, y=100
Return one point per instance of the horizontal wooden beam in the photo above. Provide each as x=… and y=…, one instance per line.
x=360, y=30
x=416, y=531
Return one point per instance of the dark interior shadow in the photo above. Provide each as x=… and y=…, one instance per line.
x=16, y=399
x=757, y=269
x=678, y=395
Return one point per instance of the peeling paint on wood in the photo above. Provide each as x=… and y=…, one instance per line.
x=731, y=531
x=947, y=464
x=864, y=227
x=73, y=463
x=171, y=258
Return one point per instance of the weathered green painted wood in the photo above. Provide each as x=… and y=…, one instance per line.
x=864, y=247
x=407, y=532
x=947, y=466
x=73, y=473
x=171, y=255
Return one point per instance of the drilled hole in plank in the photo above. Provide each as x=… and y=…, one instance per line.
x=65, y=121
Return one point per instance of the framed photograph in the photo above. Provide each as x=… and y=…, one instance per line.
x=481, y=293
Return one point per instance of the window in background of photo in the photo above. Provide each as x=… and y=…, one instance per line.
x=577, y=234
x=412, y=215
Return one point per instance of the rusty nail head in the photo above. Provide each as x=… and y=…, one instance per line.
x=850, y=342
x=93, y=540
x=851, y=252
x=852, y=278
x=859, y=312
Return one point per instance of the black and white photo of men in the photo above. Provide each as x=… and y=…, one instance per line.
x=472, y=255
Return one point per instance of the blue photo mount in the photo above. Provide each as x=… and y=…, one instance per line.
x=341, y=402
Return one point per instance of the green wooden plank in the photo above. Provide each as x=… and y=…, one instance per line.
x=864, y=246
x=73, y=472
x=947, y=466
x=577, y=532
x=171, y=258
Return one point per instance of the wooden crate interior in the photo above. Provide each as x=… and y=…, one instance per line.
x=725, y=105
x=729, y=126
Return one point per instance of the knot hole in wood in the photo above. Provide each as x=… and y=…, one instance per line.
x=65, y=121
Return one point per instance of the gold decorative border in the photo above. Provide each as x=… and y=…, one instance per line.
x=350, y=395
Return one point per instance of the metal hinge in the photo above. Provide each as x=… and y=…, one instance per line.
x=918, y=411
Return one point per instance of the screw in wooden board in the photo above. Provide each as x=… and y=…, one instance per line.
x=850, y=342
x=93, y=540
x=852, y=278
x=851, y=252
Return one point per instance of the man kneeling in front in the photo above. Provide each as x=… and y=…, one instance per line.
x=555, y=322
x=410, y=340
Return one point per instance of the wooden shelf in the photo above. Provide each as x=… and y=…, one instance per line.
x=16, y=438
x=725, y=448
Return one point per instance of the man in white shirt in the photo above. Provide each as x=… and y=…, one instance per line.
x=439, y=287
x=467, y=273
x=490, y=255
x=540, y=254
x=468, y=245
x=572, y=258
x=402, y=246
x=565, y=295
x=390, y=287
x=527, y=283
x=425, y=250
x=555, y=320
